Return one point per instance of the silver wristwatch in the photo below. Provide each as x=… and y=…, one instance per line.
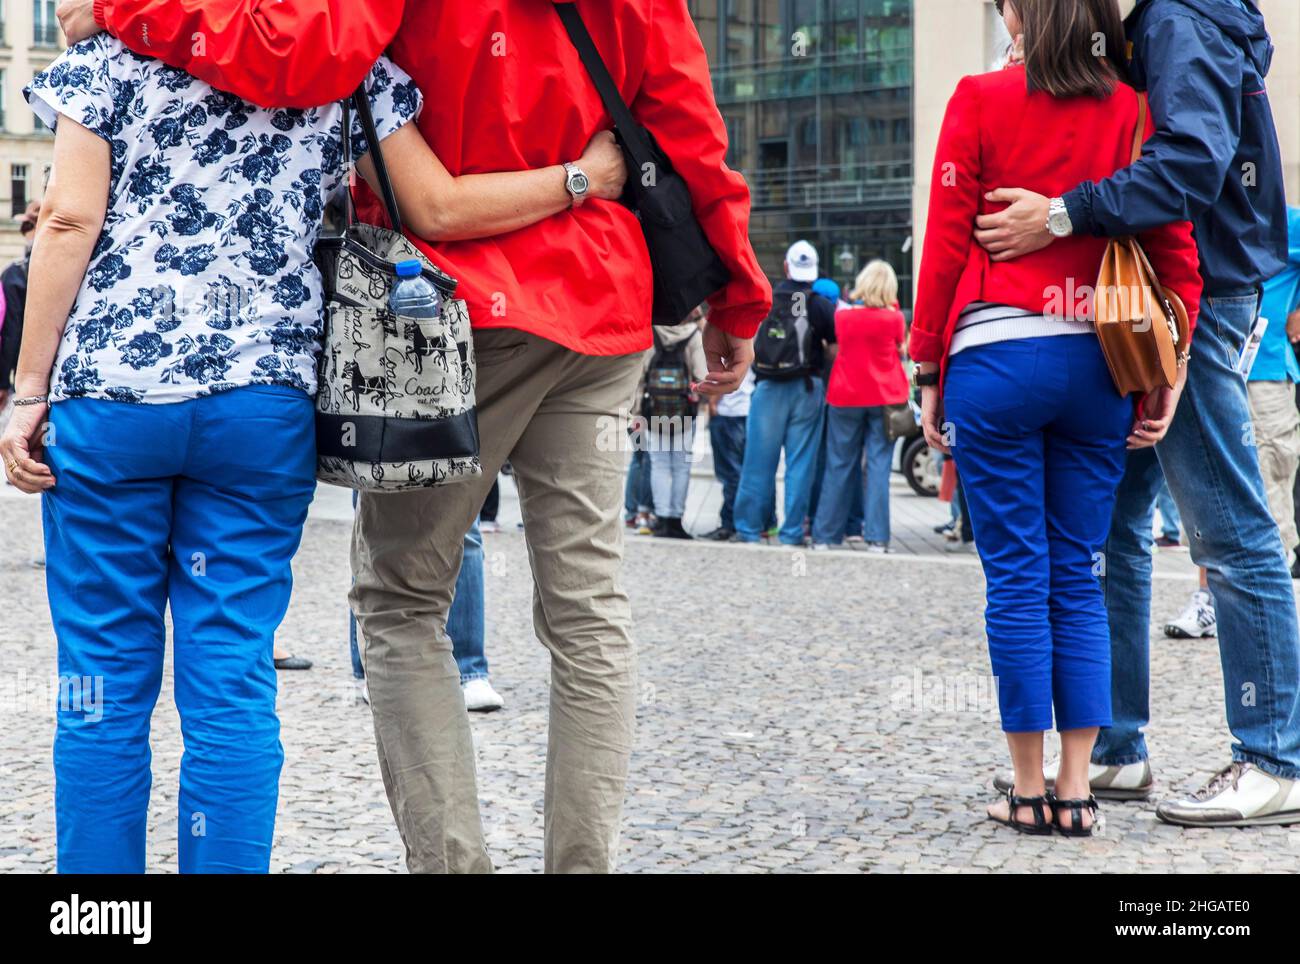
x=1058, y=219
x=576, y=183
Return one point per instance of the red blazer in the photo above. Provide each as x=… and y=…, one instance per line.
x=998, y=134
x=504, y=90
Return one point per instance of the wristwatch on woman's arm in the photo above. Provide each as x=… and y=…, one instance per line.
x=922, y=379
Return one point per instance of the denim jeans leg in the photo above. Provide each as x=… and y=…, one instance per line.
x=1127, y=586
x=681, y=455
x=879, y=458
x=802, y=436
x=661, y=481
x=727, y=437
x=467, y=619
x=765, y=431
x=1213, y=471
x=854, y=526
x=844, y=431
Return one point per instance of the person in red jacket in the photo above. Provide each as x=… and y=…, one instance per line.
x=561, y=312
x=1028, y=408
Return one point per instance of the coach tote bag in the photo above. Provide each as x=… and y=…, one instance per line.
x=395, y=406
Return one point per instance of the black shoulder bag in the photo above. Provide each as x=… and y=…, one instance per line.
x=686, y=268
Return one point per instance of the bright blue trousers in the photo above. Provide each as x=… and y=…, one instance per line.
x=1038, y=431
x=198, y=505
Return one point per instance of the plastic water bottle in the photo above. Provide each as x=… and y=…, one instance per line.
x=416, y=298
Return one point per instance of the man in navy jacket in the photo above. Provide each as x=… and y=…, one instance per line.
x=1214, y=160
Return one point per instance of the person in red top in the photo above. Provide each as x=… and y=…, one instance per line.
x=561, y=312
x=866, y=376
x=1028, y=409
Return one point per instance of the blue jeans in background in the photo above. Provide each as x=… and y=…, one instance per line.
x=1038, y=437
x=670, y=472
x=466, y=622
x=1213, y=473
x=854, y=523
x=727, y=439
x=781, y=415
x=197, y=505
x=855, y=434
x=637, y=493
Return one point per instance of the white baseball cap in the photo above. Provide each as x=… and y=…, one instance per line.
x=801, y=261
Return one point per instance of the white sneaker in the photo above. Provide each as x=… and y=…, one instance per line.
x=480, y=697
x=1240, y=796
x=878, y=548
x=1130, y=782
x=1197, y=620
x=489, y=526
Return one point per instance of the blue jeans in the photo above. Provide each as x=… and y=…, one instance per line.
x=637, y=494
x=466, y=621
x=1216, y=481
x=670, y=473
x=1171, y=523
x=781, y=415
x=727, y=438
x=1038, y=435
x=198, y=505
x=853, y=524
x=851, y=434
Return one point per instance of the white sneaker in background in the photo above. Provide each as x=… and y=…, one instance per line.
x=1196, y=621
x=480, y=697
x=489, y=525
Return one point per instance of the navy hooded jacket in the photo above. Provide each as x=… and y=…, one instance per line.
x=1214, y=159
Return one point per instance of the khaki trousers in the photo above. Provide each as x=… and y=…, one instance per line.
x=1277, y=441
x=555, y=414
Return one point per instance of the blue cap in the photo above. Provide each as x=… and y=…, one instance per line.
x=410, y=269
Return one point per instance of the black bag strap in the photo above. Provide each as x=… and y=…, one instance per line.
x=360, y=102
x=630, y=132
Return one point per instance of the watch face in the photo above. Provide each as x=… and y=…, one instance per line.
x=578, y=183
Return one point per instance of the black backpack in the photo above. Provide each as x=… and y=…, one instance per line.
x=783, y=345
x=668, y=382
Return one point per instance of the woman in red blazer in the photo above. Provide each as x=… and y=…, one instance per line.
x=1020, y=392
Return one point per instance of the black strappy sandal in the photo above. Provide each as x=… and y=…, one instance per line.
x=1076, y=828
x=1041, y=827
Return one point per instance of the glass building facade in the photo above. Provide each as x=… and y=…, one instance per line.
x=817, y=96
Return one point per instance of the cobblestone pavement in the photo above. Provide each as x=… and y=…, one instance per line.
x=799, y=712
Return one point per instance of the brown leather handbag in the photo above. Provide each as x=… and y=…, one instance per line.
x=1142, y=326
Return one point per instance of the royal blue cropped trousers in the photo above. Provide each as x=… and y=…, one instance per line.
x=1038, y=432
x=198, y=505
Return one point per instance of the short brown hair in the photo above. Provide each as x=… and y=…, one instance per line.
x=1073, y=48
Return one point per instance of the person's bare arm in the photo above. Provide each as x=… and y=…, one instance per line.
x=439, y=207
x=72, y=216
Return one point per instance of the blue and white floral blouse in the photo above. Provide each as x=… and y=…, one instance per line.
x=202, y=279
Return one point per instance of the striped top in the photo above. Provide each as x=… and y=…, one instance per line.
x=981, y=323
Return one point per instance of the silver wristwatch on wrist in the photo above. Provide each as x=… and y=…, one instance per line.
x=1058, y=219
x=576, y=183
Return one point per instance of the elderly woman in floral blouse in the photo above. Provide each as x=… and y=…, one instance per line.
x=173, y=322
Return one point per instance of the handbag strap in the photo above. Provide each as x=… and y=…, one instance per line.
x=1139, y=135
x=360, y=102
x=630, y=132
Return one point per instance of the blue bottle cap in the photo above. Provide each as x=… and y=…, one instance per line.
x=410, y=269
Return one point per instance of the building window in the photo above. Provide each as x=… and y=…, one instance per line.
x=18, y=178
x=4, y=75
x=4, y=34
x=38, y=125
x=45, y=26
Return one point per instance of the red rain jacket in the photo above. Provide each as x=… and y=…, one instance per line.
x=504, y=90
